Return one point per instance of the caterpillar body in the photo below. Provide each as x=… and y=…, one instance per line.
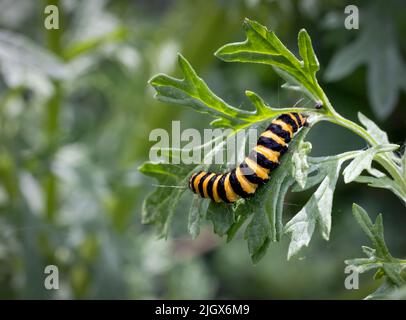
x=243, y=181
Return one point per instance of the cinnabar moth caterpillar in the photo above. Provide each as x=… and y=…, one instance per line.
x=243, y=181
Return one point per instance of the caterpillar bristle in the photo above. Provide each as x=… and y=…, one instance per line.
x=243, y=181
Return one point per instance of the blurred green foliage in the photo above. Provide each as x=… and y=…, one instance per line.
x=75, y=116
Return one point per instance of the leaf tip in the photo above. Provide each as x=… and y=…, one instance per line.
x=249, y=93
x=181, y=59
x=355, y=207
x=247, y=21
x=302, y=31
x=217, y=53
x=152, y=79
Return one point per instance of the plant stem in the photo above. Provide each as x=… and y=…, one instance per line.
x=53, y=40
x=382, y=158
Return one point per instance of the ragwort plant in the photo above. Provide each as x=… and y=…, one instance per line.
x=297, y=172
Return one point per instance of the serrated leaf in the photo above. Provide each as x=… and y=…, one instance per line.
x=263, y=46
x=373, y=231
x=310, y=62
x=258, y=235
x=300, y=164
x=377, y=133
x=158, y=206
x=192, y=91
x=378, y=257
x=198, y=207
x=360, y=163
x=222, y=217
x=316, y=211
x=363, y=161
x=240, y=217
x=383, y=183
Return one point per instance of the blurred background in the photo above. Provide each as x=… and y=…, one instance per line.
x=76, y=112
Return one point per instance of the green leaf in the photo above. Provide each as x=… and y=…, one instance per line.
x=222, y=217
x=198, y=207
x=263, y=46
x=240, y=217
x=378, y=134
x=192, y=91
x=379, y=257
x=159, y=206
x=363, y=161
x=316, y=211
x=310, y=62
x=258, y=235
x=300, y=164
x=373, y=231
x=360, y=163
x=383, y=183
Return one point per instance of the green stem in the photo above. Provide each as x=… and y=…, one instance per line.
x=53, y=40
x=382, y=158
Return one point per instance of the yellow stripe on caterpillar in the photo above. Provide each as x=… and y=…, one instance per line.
x=205, y=182
x=259, y=171
x=247, y=186
x=215, y=193
x=268, y=153
x=284, y=126
x=230, y=194
x=270, y=134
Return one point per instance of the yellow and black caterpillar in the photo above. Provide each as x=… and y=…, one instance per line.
x=243, y=181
